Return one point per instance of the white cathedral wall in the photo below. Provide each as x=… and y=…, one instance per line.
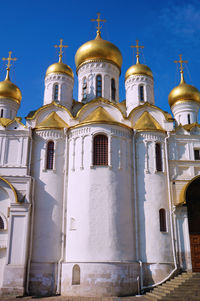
x=49, y=186
x=182, y=110
x=9, y=107
x=89, y=71
x=155, y=247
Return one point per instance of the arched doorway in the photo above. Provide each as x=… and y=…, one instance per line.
x=193, y=206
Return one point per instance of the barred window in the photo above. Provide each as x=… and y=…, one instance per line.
x=1, y=223
x=158, y=157
x=98, y=86
x=141, y=93
x=55, y=92
x=113, y=89
x=162, y=217
x=50, y=155
x=100, y=150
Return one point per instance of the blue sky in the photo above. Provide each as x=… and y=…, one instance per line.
x=30, y=29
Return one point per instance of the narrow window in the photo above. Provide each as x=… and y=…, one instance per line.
x=98, y=86
x=1, y=223
x=158, y=157
x=196, y=154
x=84, y=88
x=188, y=116
x=76, y=275
x=100, y=150
x=1, y=113
x=141, y=93
x=50, y=155
x=113, y=89
x=55, y=92
x=162, y=217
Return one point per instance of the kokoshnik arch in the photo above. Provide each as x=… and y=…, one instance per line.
x=94, y=192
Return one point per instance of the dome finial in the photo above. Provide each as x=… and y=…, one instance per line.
x=137, y=51
x=61, y=46
x=98, y=20
x=181, y=68
x=9, y=59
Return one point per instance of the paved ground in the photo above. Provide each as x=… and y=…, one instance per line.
x=59, y=298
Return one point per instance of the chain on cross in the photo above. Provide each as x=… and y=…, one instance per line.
x=9, y=59
x=98, y=20
x=61, y=46
x=137, y=50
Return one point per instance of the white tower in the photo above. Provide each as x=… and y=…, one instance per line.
x=10, y=94
x=139, y=84
x=98, y=64
x=59, y=82
x=184, y=100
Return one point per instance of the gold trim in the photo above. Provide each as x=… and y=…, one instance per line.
x=6, y=121
x=102, y=122
x=182, y=195
x=182, y=101
x=11, y=186
x=53, y=103
x=148, y=123
x=52, y=121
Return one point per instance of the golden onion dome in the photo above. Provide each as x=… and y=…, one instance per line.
x=98, y=50
x=10, y=90
x=183, y=92
x=138, y=69
x=60, y=67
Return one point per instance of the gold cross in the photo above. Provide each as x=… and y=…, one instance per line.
x=61, y=46
x=137, y=50
x=98, y=20
x=9, y=59
x=181, y=66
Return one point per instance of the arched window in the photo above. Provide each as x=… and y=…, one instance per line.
x=100, y=150
x=76, y=275
x=55, y=92
x=113, y=89
x=141, y=93
x=162, y=217
x=1, y=223
x=158, y=157
x=50, y=155
x=1, y=113
x=84, y=88
x=188, y=116
x=99, y=86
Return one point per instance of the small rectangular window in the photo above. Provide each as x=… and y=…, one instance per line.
x=197, y=154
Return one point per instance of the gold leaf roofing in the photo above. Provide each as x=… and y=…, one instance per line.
x=99, y=115
x=147, y=122
x=5, y=121
x=53, y=121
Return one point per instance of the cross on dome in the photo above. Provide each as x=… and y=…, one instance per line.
x=61, y=46
x=98, y=20
x=9, y=59
x=137, y=50
x=181, y=66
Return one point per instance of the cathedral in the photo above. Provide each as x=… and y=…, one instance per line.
x=98, y=196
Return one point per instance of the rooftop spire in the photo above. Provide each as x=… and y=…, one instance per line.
x=181, y=67
x=137, y=51
x=61, y=46
x=9, y=59
x=98, y=20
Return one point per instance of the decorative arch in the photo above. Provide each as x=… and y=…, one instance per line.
x=76, y=273
x=9, y=189
x=4, y=220
x=182, y=195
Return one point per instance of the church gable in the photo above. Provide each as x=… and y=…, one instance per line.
x=52, y=121
x=147, y=122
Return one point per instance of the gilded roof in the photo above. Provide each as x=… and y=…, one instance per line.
x=53, y=121
x=147, y=122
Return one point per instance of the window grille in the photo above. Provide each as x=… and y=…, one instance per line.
x=55, y=94
x=98, y=86
x=158, y=157
x=141, y=93
x=1, y=224
x=100, y=150
x=162, y=217
x=113, y=89
x=50, y=155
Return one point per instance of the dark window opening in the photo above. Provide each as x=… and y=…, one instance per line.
x=162, y=216
x=158, y=157
x=50, y=155
x=113, y=89
x=84, y=88
x=141, y=93
x=55, y=92
x=98, y=86
x=197, y=154
x=1, y=223
x=188, y=116
x=76, y=275
x=100, y=150
x=1, y=113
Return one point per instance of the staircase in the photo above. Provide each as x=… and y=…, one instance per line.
x=185, y=287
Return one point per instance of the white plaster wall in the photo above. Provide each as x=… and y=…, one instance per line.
x=100, y=224
x=90, y=71
x=181, y=110
x=132, y=86
x=9, y=107
x=65, y=89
